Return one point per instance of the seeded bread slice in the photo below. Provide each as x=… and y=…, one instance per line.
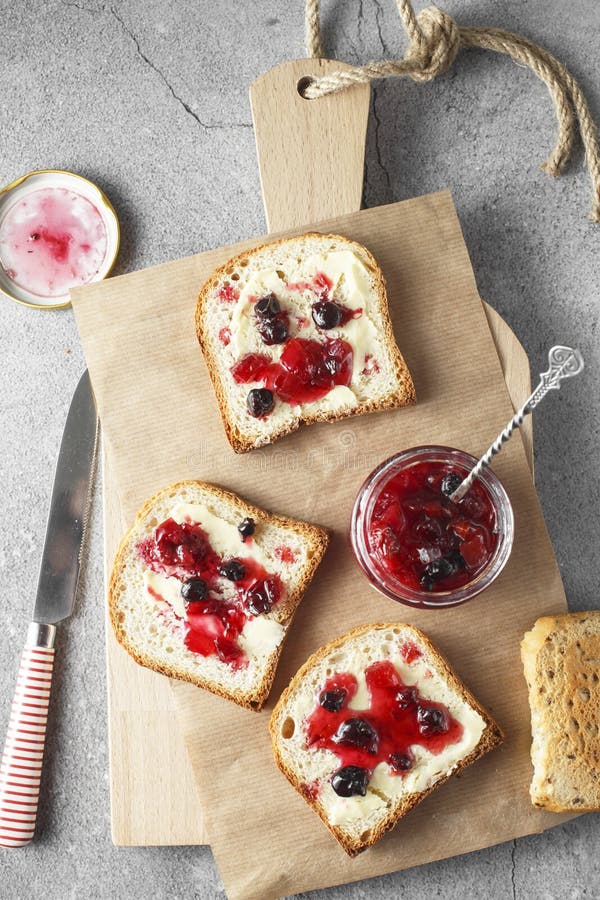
x=561, y=659
x=154, y=636
x=380, y=379
x=360, y=822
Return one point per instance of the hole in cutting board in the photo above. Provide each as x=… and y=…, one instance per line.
x=303, y=84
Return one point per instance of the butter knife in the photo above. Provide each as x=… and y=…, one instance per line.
x=21, y=766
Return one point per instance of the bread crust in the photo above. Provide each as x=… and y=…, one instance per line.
x=316, y=536
x=491, y=737
x=406, y=396
x=560, y=655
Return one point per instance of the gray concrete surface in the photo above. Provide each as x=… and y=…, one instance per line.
x=150, y=99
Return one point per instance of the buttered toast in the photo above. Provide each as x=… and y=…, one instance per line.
x=370, y=725
x=298, y=331
x=204, y=588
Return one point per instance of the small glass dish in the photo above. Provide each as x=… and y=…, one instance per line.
x=370, y=560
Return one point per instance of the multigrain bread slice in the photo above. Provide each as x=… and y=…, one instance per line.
x=162, y=631
x=300, y=272
x=561, y=659
x=422, y=762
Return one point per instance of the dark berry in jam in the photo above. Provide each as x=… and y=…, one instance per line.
x=326, y=314
x=246, y=528
x=233, y=570
x=357, y=733
x=441, y=568
x=456, y=559
x=274, y=330
x=267, y=306
x=261, y=596
x=407, y=697
x=386, y=733
x=438, y=568
x=432, y=720
x=350, y=781
x=213, y=622
x=401, y=762
x=181, y=549
x=420, y=538
x=260, y=402
x=272, y=323
x=333, y=700
x=193, y=590
x=450, y=482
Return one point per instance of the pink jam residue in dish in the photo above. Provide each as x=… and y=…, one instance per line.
x=52, y=240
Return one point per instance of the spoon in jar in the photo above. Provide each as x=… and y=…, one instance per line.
x=564, y=363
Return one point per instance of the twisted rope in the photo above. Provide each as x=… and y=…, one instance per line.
x=435, y=40
x=314, y=48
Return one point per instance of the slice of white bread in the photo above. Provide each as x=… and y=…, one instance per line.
x=226, y=329
x=561, y=659
x=151, y=630
x=358, y=821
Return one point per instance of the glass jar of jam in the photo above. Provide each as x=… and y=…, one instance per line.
x=416, y=545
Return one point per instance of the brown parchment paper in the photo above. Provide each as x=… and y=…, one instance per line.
x=161, y=424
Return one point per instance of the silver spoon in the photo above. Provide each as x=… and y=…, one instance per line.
x=564, y=363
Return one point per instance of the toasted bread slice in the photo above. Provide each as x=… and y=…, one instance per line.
x=561, y=659
x=404, y=757
x=235, y=655
x=300, y=272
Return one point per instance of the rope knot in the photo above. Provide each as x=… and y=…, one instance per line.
x=435, y=40
x=434, y=44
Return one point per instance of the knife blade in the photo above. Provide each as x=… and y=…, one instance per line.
x=21, y=765
x=67, y=518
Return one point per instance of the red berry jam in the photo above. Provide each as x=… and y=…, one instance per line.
x=419, y=546
x=285, y=554
x=410, y=652
x=213, y=624
x=397, y=719
x=321, y=286
x=251, y=367
x=425, y=539
x=307, y=370
x=228, y=294
x=371, y=366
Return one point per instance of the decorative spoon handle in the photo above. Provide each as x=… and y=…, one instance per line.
x=564, y=363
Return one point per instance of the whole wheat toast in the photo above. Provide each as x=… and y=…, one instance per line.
x=561, y=659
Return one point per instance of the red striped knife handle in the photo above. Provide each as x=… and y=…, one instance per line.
x=21, y=766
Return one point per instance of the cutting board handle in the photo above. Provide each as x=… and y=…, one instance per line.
x=311, y=153
x=311, y=156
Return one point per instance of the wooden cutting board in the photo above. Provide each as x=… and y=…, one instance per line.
x=311, y=157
